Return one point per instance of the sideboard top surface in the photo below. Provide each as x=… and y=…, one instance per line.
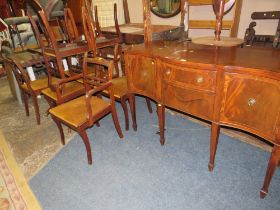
x=182, y=52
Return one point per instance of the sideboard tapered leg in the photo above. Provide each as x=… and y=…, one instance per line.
x=272, y=165
x=133, y=111
x=215, y=132
x=161, y=119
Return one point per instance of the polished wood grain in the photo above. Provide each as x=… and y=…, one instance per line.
x=235, y=87
x=147, y=21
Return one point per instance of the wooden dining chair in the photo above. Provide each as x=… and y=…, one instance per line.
x=85, y=111
x=103, y=46
x=120, y=36
x=119, y=87
x=67, y=87
x=26, y=86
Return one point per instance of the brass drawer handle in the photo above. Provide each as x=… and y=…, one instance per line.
x=252, y=102
x=153, y=63
x=199, y=79
x=168, y=72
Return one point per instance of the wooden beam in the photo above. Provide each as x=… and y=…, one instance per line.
x=209, y=24
x=201, y=2
x=236, y=18
x=147, y=21
x=183, y=12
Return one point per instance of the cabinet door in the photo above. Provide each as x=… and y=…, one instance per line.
x=251, y=103
x=141, y=76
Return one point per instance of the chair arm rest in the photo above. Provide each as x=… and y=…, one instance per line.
x=58, y=86
x=88, y=99
x=98, y=89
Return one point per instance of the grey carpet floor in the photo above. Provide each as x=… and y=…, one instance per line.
x=138, y=173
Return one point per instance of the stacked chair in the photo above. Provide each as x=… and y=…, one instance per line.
x=101, y=45
x=119, y=83
x=122, y=45
x=73, y=95
x=66, y=87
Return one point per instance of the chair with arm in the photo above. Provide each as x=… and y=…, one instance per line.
x=119, y=83
x=123, y=40
x=66, y=88
x=85, y=111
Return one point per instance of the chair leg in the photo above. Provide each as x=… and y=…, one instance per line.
x=25, y=101
x=116, y=121
x=125, y=110
x=97, y=123
x=148, y=101
x=59, y=126
x=36, y=107
x=85, y=138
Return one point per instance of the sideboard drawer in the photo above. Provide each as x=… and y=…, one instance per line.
x=190, y=77
x=252, y=103
x=191, y=101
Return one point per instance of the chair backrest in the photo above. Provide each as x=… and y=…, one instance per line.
x=19, y=73
x=98, y=31
x=70, y=26
x=44, y=25
x=89, y=30
x=100, y=69
x=40, y=37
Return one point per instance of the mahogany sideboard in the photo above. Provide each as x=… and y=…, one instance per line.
x=235, y=87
